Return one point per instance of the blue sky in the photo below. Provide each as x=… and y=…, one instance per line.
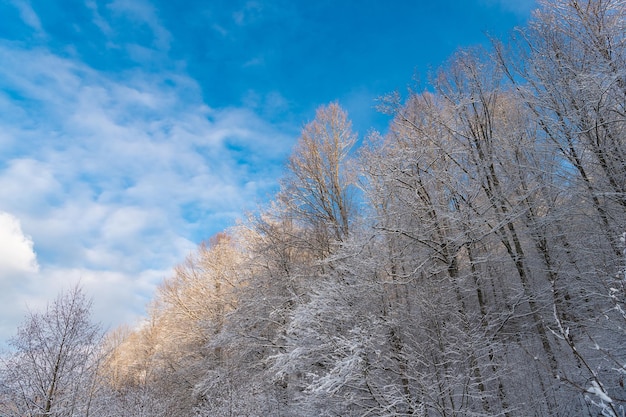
x=131, y=130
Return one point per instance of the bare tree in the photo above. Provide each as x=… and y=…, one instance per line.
x=569, y=68
x=54, y=363
x=318, y=187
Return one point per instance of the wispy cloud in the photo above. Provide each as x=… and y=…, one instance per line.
x=250, y=12
x=117, y=177
x=141, y=12
x=28, y=15
x=97, y=18
x=519, y=7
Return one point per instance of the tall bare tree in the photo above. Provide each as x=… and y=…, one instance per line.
x=319, y=186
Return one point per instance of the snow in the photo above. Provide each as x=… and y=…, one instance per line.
x=598, y=391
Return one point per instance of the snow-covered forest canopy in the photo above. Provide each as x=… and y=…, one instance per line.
x=469, y=262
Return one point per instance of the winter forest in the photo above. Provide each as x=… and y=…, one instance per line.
x=469, y=262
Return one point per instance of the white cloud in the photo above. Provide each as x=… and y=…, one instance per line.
x=117, y=178
x=28, y=182
x=18, y=265
x=16, y=248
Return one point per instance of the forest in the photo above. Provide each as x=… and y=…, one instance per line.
x=468, y=262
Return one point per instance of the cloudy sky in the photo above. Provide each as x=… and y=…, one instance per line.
x=131, y=130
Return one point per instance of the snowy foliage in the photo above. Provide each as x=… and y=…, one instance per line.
x=477, y=270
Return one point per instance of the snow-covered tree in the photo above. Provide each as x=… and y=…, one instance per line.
x=53, y=366
x=319, y=189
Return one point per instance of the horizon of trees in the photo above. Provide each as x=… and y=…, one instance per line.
x=469, y=262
